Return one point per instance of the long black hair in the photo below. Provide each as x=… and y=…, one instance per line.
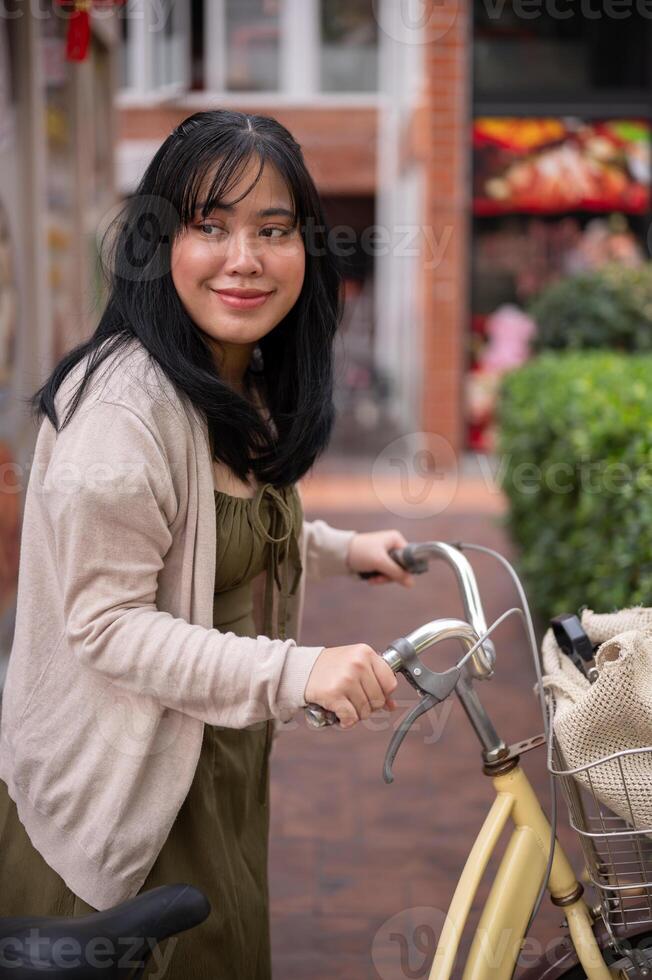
x=292, y=366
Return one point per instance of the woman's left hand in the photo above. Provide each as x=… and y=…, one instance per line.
x=368, y=552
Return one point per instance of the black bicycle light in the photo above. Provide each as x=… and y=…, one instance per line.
x=574, y=641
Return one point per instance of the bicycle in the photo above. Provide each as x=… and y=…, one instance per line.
x=111, y=945
x=605, y=940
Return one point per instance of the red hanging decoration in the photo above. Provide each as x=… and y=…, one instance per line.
x=79, y=32
x=79, y=25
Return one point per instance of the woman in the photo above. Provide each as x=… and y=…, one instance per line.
x=147, y=669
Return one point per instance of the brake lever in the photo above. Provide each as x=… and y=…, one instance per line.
x=441, y=687
x=402, y=658
x=425, y=703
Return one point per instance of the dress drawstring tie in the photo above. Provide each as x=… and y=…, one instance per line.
x=283, y=554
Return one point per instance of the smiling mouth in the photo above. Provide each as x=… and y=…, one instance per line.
x=238, y=302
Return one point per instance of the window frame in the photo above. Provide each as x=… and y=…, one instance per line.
x=299, y=56
x=139, y=51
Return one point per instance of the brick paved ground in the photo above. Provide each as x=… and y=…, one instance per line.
x=348, y=853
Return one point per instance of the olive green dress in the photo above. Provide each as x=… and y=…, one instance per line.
x=219, y=840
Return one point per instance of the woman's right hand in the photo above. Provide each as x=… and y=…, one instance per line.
x=352, y=681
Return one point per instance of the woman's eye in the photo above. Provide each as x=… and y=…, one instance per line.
x=207, y=229
x=276, y=232
x=282, y=231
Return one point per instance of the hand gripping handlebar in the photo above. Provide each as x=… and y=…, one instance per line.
x=401, y=655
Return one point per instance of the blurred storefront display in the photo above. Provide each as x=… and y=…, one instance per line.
x=562, y=193
x=56, y=181
x=561, y=169
x=547, y=166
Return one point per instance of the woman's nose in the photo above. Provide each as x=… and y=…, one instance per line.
x=243, y=254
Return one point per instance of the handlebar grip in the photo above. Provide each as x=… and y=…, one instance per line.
x=319, y=717
x=394, y=553
x=404, y=558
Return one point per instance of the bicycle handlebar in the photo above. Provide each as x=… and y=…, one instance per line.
x=403, y=656
x=483, y=662
x=414, y=558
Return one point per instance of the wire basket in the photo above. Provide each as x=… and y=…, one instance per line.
x=617, y=852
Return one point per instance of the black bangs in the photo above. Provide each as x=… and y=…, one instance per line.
x=203, y=192
x=192, y=172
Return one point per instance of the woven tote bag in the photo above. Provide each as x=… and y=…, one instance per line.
x=592, y=721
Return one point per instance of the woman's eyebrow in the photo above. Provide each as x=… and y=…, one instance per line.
x=265, y=213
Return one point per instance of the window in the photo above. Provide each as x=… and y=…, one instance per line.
x=566, y=58
x=296, y=48
x=197, y=31
x=155, y=50
x=252, y=45
x=170, y=43
x=123, y=61
x=349, y=46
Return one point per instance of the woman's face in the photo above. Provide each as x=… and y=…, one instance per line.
x=236, y=250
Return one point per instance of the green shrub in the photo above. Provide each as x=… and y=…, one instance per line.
x=608, y=308
x=575, y=445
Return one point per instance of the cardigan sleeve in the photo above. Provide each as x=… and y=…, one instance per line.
x=326, y=549
x=111, y=503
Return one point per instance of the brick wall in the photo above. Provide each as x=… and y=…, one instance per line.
x=339, y=144
x=446, y=154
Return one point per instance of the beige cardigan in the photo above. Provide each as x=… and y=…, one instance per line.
x=115, y=666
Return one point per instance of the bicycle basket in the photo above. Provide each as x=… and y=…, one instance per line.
x=601, y=753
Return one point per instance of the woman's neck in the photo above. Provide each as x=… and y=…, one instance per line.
x=232, y=363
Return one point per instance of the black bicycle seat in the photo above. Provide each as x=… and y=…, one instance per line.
x=107, y=945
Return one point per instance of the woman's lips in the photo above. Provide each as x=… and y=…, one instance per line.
x=240, y=303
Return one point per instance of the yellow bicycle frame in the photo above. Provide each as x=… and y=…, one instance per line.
x=500, y=932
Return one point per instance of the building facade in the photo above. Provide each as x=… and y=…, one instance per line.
x=475, y=150
x=345, y=77
x=57, y=133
